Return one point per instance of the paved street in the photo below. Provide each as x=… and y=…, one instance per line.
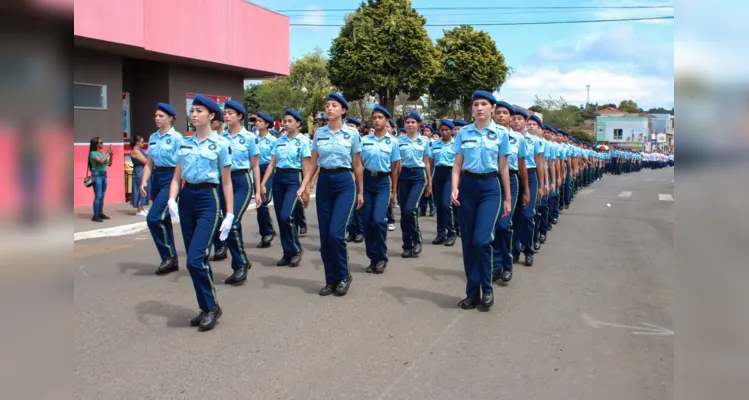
x=590, y=320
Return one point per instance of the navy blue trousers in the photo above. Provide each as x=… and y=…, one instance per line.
x=356, y=225
x=336, y=202
x=264, y=221
x=390, y=215
x=374, y=215
x=301, y=219
x=242, y=197
x=411, y=186
x=199, y=218
x=158, y=219
x=222, y=208
x=442, y=187
x=525, y=218
x=503, y=231
x=285, y=186
x=478, y=213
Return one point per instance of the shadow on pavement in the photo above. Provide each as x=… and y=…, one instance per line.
x=309, y=286
x=441, y=300
x=435, y=272
x=176, y=316
x=140, y=269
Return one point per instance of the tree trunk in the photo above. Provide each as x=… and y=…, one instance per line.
x=387, y=100
x=466, y=105
x=362, y=108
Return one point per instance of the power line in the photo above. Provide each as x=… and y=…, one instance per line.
x=523, y=23
x=451, y=14
x=497, y=8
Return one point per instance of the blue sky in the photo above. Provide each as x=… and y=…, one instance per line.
x=620, y=60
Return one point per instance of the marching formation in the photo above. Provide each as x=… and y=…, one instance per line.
x=498, y=185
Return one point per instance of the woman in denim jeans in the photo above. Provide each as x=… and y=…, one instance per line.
x=98, y=161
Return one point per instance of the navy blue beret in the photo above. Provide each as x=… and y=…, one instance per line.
x=483, y=94
x=352, y=120
x=169, y=110
x=382, y=110
x=294, y=113
x=402, y=130
x=265, y=117
x=518, y=111
x=460, y=122
x=392, y=123
x=506, y=105
x=236, y=106
x=447, y=123
x=536, y=118
x=413, y=115
x=427, y=126
x=211, y=105
x=337, y=97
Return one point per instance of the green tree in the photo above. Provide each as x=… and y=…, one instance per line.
x=558, y=113
x=250, y=98
x=309, y=75
x=629, y=106
x=469, y=61
x=536, y=108
x=383, y=49
x=581, y=135
x=277, y=95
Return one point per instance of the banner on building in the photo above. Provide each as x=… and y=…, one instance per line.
x=221, y=100
x=125, y=115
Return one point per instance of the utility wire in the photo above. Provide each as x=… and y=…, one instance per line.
x=521, y=23
x=450, y=14
x=496, y=8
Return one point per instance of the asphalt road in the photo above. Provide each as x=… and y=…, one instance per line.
x=590, y=320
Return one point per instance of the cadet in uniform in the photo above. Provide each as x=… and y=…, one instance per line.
x=244, y=158
x=458, y=123
x=202, y=158
x=380, y=156
x=291, y=153
x=391, y=215
x=524, y=217
x=427, y=201
x=443, y=159
x=481, y=150
x=220, y=250
x=162, y=160
x=266, y=143
x=414, y=181
x=336, y=151
x=356, y=226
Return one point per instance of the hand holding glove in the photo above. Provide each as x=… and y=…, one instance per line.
x=173, y=210
x=226, y=227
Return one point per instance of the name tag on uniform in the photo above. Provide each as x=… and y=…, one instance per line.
x=322, y=138
x=185, y=147
x=281, y=145
x=403, y=144
x=469, y=141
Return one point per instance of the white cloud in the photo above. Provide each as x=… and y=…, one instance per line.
x=622, y=13
x=606, y=86
x=313, y=16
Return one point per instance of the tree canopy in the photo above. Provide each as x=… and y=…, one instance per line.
x=629, y=106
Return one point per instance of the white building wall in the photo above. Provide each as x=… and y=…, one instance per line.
x=631, y=130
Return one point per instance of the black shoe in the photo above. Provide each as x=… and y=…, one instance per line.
x=529, y=260
x=265, y=241
x=358, y=238
x=432, y=212
x=450, y=241
x=196, y=320
x=507, y=275
x=548, y=227
x=370, y=269
x=167, y=266
x=302, y=230
x=496, y=276
x=457, y=233
x=102, y=216
x=542, y=239
x=439, y=240
x=283, y=262
x=97, y=219
x=423, y=213
x=408, y=254
x=239, y=276
x=522, y=248
x=555, y=221
x=342, y=287
x=487, y=300
x=210, y=319
x=469, y=303
x=295, y=260
x=536, y=246
x=327, y=290
x=348, y=239
x=380, y=267
x=515, y=258
x=220, y=254
x=417, y=249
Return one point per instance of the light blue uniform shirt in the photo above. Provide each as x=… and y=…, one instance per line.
x=202, y=162
x=517, y=150
x=533, y=146
x=481, y=150
x=163, y=148
x=378, y=154
x=413, y=151
x=265, y=146
x=290, y=152
x=443, y=154
x=562, y=151
x=336, y=150
x=244, y=146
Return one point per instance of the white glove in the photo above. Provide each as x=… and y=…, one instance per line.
x=173, y=210
x=226, y=227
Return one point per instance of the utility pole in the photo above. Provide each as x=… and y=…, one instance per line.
x=587, y=97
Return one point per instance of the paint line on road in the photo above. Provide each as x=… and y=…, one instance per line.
x=642, y=329
x=665, y=197
x=625, y=194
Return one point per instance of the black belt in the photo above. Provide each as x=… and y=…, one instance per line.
x=165, y=169
x=512, y=172
x=414, y=168
x=479, y=176
x=531, y=169
x=376, y=173
x=239, y=172
x=334, y=170
x=200, y=186
x=444, y=166
x=289, y=170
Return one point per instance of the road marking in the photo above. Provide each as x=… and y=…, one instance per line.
x=644, y=329
x=625, y=194
x=82, y=270
x=665, y=197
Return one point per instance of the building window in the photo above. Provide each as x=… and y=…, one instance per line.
x=90, y=97
x=618, y=134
